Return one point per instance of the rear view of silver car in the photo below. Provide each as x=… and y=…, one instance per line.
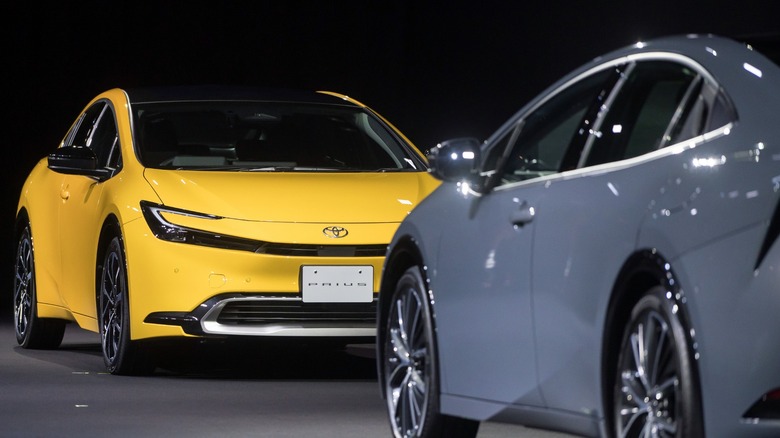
x=606, y=264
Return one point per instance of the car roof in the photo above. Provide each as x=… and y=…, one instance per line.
x=229, y=92
x=722, y=57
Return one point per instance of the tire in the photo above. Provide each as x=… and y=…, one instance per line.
x=655, y=391
x=31, y=331
x=121, y=355
x=410, y=368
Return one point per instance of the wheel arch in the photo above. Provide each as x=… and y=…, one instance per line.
x=641, y=271
x=108, y=231
x=22, y=219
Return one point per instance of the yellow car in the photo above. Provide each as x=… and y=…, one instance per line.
x=211, y=212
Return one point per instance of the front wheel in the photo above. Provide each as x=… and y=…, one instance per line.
x=655, y=388
x=121, y=355
x=31, y=331
x=410, y=367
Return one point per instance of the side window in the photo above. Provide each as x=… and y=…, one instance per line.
x=551, y=136
x=105, y=140
x=97, y=130
x=85, y=127
x=659, y=104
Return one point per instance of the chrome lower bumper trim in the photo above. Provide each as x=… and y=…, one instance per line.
x=276, y=316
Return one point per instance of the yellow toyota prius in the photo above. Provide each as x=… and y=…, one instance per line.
x=211, y=212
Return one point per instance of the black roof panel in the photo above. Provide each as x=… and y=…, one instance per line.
x=223, y=92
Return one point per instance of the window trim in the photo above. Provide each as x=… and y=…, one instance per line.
x=623, y=62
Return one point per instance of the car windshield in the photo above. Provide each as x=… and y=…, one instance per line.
x=267, y=136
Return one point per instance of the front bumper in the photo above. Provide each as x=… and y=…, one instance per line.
x=181, y=290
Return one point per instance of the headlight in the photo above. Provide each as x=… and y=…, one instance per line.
x=170, y=232
x=165, y=230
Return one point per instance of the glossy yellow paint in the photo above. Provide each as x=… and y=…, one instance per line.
x=39, y=197
x=398, y=131
x=66, y=231
x=68, y=213
x=294, y=196
x=179, y=277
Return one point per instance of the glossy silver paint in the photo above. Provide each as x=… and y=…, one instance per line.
x=527, y=278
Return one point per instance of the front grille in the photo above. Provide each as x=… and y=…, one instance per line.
x=304, y=250
x=243, y=312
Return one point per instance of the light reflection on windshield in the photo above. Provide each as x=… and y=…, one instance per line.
x=267, y=137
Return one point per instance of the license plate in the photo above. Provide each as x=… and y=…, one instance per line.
x=337, y=284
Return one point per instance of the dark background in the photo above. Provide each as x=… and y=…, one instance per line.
x=435, y=69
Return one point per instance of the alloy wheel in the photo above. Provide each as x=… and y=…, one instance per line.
x=648, y=387
x=112, y=301
x=24, y=284
x=407, y=365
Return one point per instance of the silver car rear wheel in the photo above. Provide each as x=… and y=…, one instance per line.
x=655, y=392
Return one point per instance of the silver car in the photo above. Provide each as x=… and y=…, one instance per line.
x=606, y=264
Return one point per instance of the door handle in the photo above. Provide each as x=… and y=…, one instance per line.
x=523, y=215
x=64, y=193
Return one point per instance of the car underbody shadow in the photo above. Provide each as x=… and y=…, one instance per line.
x=288, y=358
x=224, y=358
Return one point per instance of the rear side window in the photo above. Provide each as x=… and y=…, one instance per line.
x=620, y=112
x=657, y=100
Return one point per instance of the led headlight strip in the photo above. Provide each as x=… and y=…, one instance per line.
x=170, y=232
x=165, y=230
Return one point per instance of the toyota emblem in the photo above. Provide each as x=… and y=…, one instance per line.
x=335, y=232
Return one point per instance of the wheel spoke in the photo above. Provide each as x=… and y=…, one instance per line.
x=414, y=327
x=633, y=391
x=640, y=354
x=657, y=333
x=633, y=406
x=415, y=400
x=400, y=340
x=667, y=428
x=397, y=364
x=668, y=386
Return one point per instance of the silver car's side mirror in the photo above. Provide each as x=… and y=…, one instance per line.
x=455, y=159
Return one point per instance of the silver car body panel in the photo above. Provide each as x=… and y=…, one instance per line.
x=520, y=309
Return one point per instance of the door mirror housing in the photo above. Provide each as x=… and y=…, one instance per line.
x=455, y=159
x=77, y=160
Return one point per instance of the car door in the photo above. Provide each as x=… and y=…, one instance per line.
x=486, y=271
x=80, y=214
x=588, y=222
x=483, y=276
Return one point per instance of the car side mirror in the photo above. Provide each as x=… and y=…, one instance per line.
x=77, y=160
x=455, y=159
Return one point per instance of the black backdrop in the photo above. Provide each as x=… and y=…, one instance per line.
x=435, y=69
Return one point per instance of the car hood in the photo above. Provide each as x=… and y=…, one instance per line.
x=293, y=196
